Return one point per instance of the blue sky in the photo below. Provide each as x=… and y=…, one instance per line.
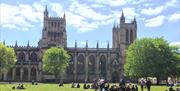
x=90, y=20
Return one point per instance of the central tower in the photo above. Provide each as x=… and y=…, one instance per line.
x=124, y=34
x=54, y=31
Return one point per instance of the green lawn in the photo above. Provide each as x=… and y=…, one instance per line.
x=54, y=87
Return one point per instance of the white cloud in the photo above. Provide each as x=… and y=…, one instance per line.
x=129, y=12
x=137, y=1
x=175, y=44
x=174, y=17
x=86, y=11
x=83, y=43
x=152, y=11
x=58, y=8
x=172, y=3
x=95, y=5
x=148, y=4
x=38, y=7
x=11, y=26
x=155, y=22
x=109, y=21
x=80, y=22
x=82, y=17
x=110, y=2
x=20, y=17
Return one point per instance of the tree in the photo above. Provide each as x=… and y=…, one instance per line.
x=174, y=70
x=55, y=61
x=7, y=58
x=150, y=57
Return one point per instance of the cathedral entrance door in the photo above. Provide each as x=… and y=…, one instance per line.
x=33, y=74
x=115, y=77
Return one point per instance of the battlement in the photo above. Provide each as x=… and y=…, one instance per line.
x=55, y=18
x=22, y=47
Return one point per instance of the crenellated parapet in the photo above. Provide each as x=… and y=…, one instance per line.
x=55, y=18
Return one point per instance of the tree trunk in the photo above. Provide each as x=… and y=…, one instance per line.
x=157, y=80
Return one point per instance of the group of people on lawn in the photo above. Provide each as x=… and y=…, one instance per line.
x=21, y=85
x=99, y=84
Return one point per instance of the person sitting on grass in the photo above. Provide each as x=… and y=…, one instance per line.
x=32, y=82
x=73, y=85
x=88, y=86
x=20, y=86
x=85, y=86
x=114, y=88
x=60, y=84
x=36, y=83
x=171, y=89
x=78, y=85
x=106, y=87
x=13, y=87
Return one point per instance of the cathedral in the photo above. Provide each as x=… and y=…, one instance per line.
x=85, y=63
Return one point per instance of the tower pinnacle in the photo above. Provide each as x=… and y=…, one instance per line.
x=46, y=12
x=122, y=19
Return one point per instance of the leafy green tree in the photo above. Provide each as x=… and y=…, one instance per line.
x=55, y=61
x=7, y=58
x=150, y=57
x=174, y=69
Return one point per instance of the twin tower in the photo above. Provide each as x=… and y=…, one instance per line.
x=54, y=32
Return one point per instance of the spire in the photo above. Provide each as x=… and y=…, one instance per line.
x=64, y=16
x=117, y=26
x=16, y=44
x=122, y=19
x=86, y=44
x=134, y=19
x=28, y=44
x=46, y=12
x=97, y=45
x=108, y=45
x=75, y=44
x=122, y=14
x=4, y=43
x=114, y=27
x=46, y=9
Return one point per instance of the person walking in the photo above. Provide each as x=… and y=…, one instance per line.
x=142, y=82
x=148, y=85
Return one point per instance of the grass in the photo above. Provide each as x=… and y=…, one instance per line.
x=54, y=87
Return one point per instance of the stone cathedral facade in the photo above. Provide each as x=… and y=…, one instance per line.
x=85, y=63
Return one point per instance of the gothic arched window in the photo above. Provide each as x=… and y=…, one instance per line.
x=70, y=68
x=127, y=36
x=33, y=56
x=102, y=65
x=131, y=36
x=21, y=56
x=91, y=65
x=80, y=64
